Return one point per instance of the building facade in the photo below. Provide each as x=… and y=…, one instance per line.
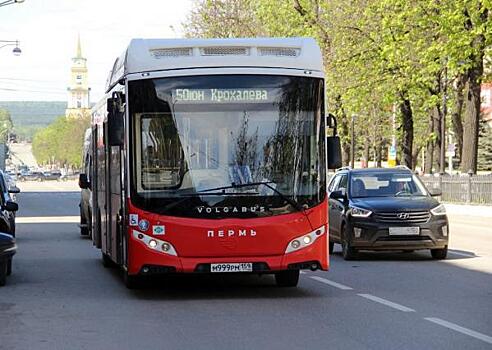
x=78, y=104
x=486, y=107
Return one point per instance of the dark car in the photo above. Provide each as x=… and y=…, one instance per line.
x=385, y=209
x=7, y=251
x=32, y=176
x=51, y=175
x=7, y=205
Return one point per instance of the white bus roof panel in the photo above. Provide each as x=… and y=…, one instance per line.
x=147, y=55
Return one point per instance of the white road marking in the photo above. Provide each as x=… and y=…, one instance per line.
x=468, y=255
x=302, y=272
x=460, y=329
x=331, y=283
x=47, y=219
x=387, y=302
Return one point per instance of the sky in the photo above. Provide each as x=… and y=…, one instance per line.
x=47, y=31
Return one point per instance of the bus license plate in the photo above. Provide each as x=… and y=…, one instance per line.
x=234, y=267
x=404, y=231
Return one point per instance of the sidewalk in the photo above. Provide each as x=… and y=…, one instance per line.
x=469, y=210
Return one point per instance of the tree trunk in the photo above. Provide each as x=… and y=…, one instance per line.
x=471, y=104
x=471, y=121
x=429, y=149
x=407, y=129
x=437, y=115
x=367, y=150
x=457, y=116
x=343, y=130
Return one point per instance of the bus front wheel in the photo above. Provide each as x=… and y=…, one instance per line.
x=131, y=282
x=288, y=278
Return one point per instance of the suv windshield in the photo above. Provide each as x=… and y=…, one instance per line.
x=385, y=184
x=193, y=134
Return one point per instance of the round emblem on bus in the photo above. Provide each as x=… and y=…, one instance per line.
x=143, y=225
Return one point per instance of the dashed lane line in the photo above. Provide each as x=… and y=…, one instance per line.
x=331, y=283
x=47, y=219
x=387, y=302
x=460, y=329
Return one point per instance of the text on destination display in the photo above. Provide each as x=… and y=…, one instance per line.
x=221, y=95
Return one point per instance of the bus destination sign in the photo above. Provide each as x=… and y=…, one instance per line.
x=222, y=95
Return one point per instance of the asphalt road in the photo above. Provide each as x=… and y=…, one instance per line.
x=61, y=297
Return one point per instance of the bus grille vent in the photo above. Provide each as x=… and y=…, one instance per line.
x=172, y=52
x=224, y=51
x=278, y=51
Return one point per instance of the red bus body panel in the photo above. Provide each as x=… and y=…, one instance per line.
x=204, y=241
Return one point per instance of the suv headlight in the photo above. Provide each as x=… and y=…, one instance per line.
x=439, y=210
x=359, y=212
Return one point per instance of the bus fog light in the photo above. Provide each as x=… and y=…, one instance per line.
x=152, y=243
x=357, y=232
x=165, y=246
x=295, y=244
x=445, y=231
x=307, y=239
x=145, y=269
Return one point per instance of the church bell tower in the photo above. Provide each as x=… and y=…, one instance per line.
x=78, y=92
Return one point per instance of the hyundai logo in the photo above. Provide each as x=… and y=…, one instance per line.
x=403, y=216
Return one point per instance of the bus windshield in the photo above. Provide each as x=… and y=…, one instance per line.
x=209, y=141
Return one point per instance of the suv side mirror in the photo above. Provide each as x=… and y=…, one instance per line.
x=339, y=194
x=83, y=182
x=11, y=206
x=333, y=145
x=14, y=189
x=435, y=192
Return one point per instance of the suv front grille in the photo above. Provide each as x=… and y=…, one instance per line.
x=410, y=217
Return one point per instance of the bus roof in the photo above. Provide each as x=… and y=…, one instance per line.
x=147, y=55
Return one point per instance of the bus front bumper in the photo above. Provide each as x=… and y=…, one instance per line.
x=146, y=261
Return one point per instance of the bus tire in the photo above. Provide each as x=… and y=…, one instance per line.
x=131, y=282
x=3, y=272
x=106, y=260
x=288, y=278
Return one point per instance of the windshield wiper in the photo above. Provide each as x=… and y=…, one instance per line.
x=291, y=201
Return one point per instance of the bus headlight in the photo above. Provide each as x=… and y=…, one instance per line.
x=305, y=240
x=154, y=243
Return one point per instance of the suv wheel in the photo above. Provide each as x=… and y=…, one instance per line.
x=439, y=254
x=331, y=246
x=9, y=267
x=348, y=252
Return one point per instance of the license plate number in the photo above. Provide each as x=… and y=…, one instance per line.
x=404, y=231
x=231, y=267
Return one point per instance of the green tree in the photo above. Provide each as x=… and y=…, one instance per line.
x=61, y=142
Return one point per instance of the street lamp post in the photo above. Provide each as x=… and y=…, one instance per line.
x=11, y=2
x=16, y=51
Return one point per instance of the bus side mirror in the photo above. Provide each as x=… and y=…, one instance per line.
x=83, y=182
x=333, y=145
x=115, y=123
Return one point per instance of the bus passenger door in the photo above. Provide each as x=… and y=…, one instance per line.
x=114, y=200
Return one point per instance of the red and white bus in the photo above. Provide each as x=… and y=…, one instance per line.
x=210, y=156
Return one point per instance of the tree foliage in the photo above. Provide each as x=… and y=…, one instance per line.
x=5, y=124
x=420, y=60
x=61, y=142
